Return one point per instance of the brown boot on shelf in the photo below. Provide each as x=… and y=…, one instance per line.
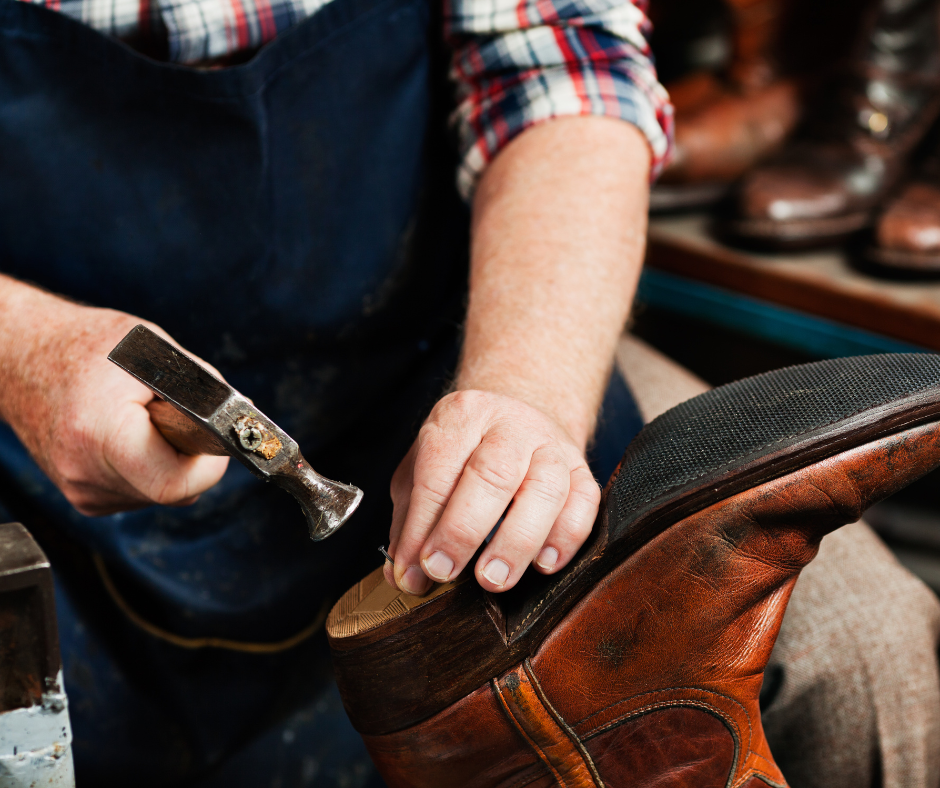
x=832, y=175
x=641, y=663
x=907, y=233
x=724, y=124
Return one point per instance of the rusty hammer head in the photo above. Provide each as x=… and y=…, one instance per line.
x=219, y=420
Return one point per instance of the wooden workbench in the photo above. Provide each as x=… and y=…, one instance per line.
x=822, y=283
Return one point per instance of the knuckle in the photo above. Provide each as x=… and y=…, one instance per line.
x=429, y=434
x=579, y=527
x=466, y=399
x=545, y=490
x=461, y=405
x=586, y=492
x=548, y=483
x=463, y=535
x=499, y=475
x=525, y=540
x=429, y=493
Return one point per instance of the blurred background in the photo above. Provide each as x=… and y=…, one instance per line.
x=800, y=216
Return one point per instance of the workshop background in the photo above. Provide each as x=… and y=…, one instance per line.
x=800, y=217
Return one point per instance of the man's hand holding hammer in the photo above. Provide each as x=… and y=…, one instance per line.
x=54, y=377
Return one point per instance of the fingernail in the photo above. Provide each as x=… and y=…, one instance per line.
x=547, y=558
x=414, y=581
x=439, y=566
x=496, y=571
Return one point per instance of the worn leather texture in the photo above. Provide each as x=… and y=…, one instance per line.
x=472, y=744
x=853, y=148
x=680, y=746
x=539, y=724
x=663, y=660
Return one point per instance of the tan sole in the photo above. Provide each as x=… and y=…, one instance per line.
x=373, y=602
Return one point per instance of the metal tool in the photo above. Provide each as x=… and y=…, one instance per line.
x=199, y=414
x=35, y=733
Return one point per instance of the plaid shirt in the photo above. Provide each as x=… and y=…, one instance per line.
x=515, y=62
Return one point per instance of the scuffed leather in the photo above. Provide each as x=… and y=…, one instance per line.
x=471, y=744
x=681, y=747
x=664, y=658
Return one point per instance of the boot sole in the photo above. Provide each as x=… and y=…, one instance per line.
x=795, y=235
x=665, y=198
x=910, y=261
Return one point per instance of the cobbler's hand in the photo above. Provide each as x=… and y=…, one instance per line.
x=83, y=419
x=477, y=453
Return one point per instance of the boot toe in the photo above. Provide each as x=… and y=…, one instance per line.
x=784, y=194
x=803, y=200
x=911, y=223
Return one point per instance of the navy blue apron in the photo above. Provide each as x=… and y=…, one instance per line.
x=293, y=221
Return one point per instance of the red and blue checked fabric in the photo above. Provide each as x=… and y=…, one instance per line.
x=515, y=63
x=520, y=62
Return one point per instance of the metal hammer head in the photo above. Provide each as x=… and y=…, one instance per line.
x=220, y=420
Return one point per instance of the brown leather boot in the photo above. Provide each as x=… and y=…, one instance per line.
x=725, y=123
x=907, y=232
x=641, y=663
x=829, y=179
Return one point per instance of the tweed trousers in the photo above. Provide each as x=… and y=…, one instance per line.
x=851, y=694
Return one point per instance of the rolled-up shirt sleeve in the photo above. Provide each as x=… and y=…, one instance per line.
x=517, y=63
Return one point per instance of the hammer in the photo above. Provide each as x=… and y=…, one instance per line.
x=199, y=414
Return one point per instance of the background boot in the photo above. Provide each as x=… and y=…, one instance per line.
x=829, y=179
x=907, y=232
x=726, y=122
x=643, y=660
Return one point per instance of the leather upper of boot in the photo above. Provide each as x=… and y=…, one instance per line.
x=911, y=221
x=854, y=144
x=725, y=123
x=721, y=139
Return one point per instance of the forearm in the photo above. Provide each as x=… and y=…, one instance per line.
x=558, y=236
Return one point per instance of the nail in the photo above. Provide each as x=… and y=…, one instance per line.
x=439, y=566
x=496, y=571
x=414, y=581
x=547, y=558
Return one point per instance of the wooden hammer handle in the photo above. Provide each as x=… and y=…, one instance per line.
x=181, y=432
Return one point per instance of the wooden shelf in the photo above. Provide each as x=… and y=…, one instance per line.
x=822, y=283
